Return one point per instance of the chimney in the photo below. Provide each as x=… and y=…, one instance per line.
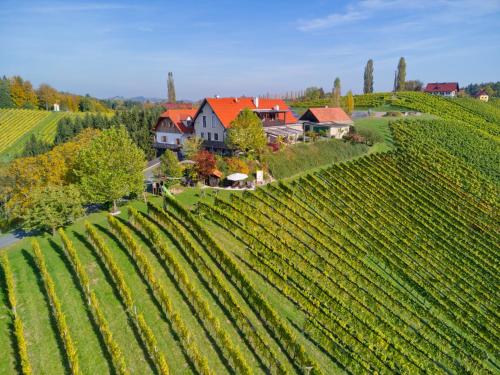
x=256, y=101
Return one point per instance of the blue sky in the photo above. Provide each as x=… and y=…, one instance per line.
x=240, y=47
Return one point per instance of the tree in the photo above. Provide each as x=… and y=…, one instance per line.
x=336, y=93
x=53, y=207
x=5, y=99
x=170, y=88
x=205, y=163
x=35, y=146
x=235, y=165
x=192, y=146
x=350, y=102
x=17, y=93
x=47, y=96
x=368, y=77
x=401, y=75
x=170, y=167
x=314, y=93
x=246, y=133
x=414, y=85
x=110, y=167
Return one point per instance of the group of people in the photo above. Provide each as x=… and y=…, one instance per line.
x=157, y=188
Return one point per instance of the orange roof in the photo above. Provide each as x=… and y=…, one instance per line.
x=177, y=116
x=227, y=109
x=329, y=115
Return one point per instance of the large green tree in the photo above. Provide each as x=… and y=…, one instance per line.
x=246, y=133
x=336, y=93
x=401, y=75
x=368, y=77
x=110, y=167
x=53, y=207
x=192, y=146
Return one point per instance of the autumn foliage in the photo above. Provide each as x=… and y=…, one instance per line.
x=205, y=163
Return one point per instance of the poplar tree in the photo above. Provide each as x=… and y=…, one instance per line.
x=171, y=88
x=401, y=75
x=368, y=77
x=336, y=93
x=350, y=102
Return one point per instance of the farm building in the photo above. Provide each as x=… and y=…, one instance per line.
x=172, y=128
x=482, y=95
x=215, y=115
x=449, y=89
x=334, y=122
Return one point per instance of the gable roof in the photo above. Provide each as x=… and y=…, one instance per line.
x=481, y=92
x=227, y=109
x=177, y=116
x=441, y=87
x=327, y=114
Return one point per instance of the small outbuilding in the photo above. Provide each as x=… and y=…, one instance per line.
x=333, y=122
x=482, y=95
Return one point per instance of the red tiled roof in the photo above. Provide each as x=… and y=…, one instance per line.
x=177, y=116
x=227, y=109
x=441, y=87
x=329, y=115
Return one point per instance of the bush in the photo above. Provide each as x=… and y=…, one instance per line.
x=371, y=135
x=393, y=114
x=237, y=165
x=301, y=157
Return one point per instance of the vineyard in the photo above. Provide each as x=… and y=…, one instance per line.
x=388, y=263
x=17, y=125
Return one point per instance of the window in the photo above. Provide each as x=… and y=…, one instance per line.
x=204, y=121
x=216, y=136
x=178, y=141
x=213, y=121
x=164, y=139
x=202, y=135
x=209, y=136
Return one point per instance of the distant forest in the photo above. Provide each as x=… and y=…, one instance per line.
x=17, y=92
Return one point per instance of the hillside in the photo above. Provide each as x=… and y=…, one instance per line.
x=17, y=125
x=384, y=264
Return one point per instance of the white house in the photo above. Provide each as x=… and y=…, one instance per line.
x=173, y=128
x=215, y=115
x=334, y=122
x=449, y=89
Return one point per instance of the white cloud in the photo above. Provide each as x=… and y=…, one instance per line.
x=450, y=11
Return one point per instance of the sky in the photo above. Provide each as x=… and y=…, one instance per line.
x=238, y=47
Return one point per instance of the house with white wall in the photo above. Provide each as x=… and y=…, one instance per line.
x=173, y=128
x=331, y=121
x=448, y=89
x=214, y=117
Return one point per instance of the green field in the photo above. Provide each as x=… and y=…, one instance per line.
x=17, y=125
x=386, y=263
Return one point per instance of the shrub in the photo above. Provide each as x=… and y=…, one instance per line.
x=237, y=165
x=371, y=135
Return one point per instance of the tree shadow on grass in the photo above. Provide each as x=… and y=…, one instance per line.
x=53, y=323
x=155, y=301
x=76, y=282
x=186, y=298
x=111, y=282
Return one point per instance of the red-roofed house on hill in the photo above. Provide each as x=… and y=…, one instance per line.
x=332, y=121
x=173, y=128
x=215, y=115
x=449, y=89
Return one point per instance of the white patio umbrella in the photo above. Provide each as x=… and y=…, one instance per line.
x=237, y=177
